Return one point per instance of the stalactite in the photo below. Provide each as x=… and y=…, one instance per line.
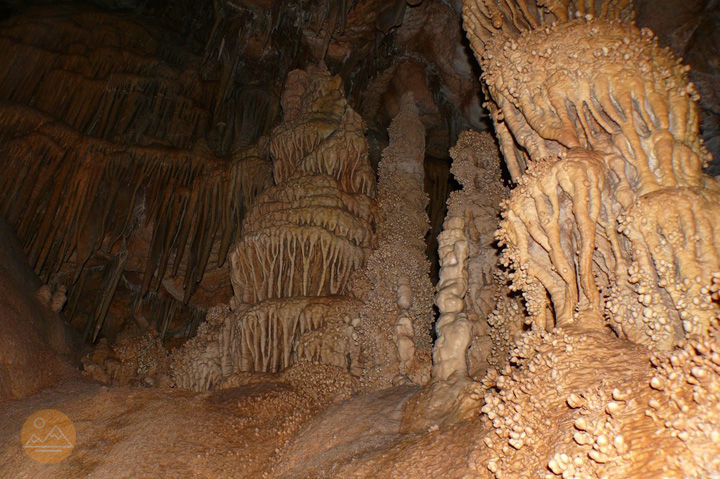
x=106, y=131
x=115, y=88
x=97, y=187
x=315, y=232
x=110, y=283
x=258, y=111
x=268, y=337
x=273, y=335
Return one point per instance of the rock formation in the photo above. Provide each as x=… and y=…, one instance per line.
x=593, y=161
x=471, y=330
x=35, y=346
x=469, y=288
x=396, y=319
x=110, y=183
x=302, y=290
x=239, y=247
x=173, y=128
x=611, y=224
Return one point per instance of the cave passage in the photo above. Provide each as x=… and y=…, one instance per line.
x=369, y=239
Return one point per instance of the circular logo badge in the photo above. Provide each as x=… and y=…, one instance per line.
x=48, y=436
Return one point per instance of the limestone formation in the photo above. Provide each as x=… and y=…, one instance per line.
x=302, y=290
x=59, y=298
x=469, y=288
x=608, y=420
x=454, y=329
x=395, y=286
x=610, y=224
x=404, y=331
x=477, y=323
x=593, y=140
x=110, y=183
x=232, y=251
x=134, y=359
x=300, y=244
x=309, y=232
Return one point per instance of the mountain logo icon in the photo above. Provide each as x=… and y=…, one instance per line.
x=48, y=436
x=55, y=439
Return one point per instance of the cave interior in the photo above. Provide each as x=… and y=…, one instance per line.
x=360, y=239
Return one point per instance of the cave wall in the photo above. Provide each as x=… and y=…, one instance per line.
x=36, y=348
x=114, y=183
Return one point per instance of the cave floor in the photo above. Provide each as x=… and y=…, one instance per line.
x=256, y=430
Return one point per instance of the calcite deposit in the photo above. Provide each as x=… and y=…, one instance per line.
x=328, y=270
x=396, y=317
x=592, y=161
x=286, y=239
x=609, y=228
x=110, y=182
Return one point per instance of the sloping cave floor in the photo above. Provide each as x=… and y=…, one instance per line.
x=252, y=431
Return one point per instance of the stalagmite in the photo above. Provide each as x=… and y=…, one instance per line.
x=232, y=251
x=612, y=223
x=467, y=292
x=453, y=328
x=300, y=244
x=59, y=298
x=307, y=234
x=404, y=331
x=44, y=294
x=135, y=359
x=302, y=290
x=476, y=165
x=395, y=285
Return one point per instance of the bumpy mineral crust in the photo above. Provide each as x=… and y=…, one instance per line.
x=395, y=287
x=324, y=272
x=610, y=236
x=599, y=128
